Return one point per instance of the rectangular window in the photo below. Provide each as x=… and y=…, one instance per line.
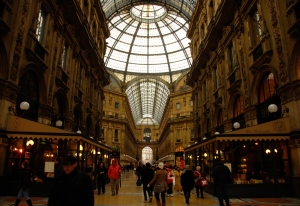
x=40, y=25
x=65, y=57
x=256, y=30
x=117, y=105
x=79, y=74
x=177, y=105
x=216, y=77
x=191, y=103
x=231, y=58
x=104, y=102
x=116, y=115
x=116, y=134
x=192, y=133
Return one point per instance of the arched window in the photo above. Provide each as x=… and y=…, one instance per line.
x=238, y=107
x=30, y=93
x=147, y=134
x=267, y=87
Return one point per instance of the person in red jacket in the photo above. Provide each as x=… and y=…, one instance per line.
x=198, y=177
x=170, y=181
x=114, y=173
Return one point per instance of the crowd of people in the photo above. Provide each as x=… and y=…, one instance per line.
x=74, y=187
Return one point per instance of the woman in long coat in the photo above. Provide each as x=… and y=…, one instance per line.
x=102, y=176
x=177, y=175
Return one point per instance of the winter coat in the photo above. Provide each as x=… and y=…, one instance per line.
x=25, y=179
x=74, y=189
x=177, y=175
x=198, y=177
x=160, y=175
x=102, y=177
x=221, y=174
x=187, y=180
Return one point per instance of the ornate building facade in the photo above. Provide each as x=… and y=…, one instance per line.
x=52, y=83
x=245, y=78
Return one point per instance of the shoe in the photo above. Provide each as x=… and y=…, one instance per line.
x=171, y=195
x=150, y=199
x=113, y=194
x=145, y=200
x=202, y=197
x=168, y=195
x=116, y=192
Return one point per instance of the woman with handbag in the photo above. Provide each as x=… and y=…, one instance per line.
x=160, y=180
x=198, y=177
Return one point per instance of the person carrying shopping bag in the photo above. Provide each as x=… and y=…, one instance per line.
x=160, y=181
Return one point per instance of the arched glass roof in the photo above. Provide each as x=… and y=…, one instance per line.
x=148, y=38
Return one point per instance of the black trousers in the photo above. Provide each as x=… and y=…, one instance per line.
x=221, y=189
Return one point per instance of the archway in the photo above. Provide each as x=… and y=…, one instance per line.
x=147, y=155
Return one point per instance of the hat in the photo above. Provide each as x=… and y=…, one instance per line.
x=161, y=165
x=69, y=160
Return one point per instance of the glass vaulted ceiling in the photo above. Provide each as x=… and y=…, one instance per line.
x=148, y=38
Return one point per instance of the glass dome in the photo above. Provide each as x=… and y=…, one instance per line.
x=148, y=39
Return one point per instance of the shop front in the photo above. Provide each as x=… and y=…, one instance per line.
x=258, y=157
x=40, y=145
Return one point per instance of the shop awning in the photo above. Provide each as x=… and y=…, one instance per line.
x=21, y=128
x=275, y=130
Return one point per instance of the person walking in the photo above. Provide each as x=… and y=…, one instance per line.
x=147, y=176
x=170, y=180
x=25, y=183
x=114, y=174
x=102, y=175
x=161, y=178
x=177, y=176
x=221, y=175
x=72, y=187
x=198, y=175
x=187, y=183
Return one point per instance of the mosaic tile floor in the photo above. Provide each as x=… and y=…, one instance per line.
x=131, y=195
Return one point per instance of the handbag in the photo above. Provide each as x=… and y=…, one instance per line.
x=203, y=182
x=159, y=187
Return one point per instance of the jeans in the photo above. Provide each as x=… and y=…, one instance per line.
x=222, y=194
x=25, y=193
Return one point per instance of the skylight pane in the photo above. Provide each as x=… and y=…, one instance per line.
x=156, y=50
x=121, y=56
x=123, y=46
x=158, y=68
x=138, y=68
x=158, y=59
x=139, y=50
x=155, y=41
x=138, y=59
x=179, y=65
x=114, y=64
x=173, y=47
x=170, y=39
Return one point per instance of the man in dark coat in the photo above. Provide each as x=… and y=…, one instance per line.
x=187, y=183
x=147, y=176
x=72, y=187
x=221, y=175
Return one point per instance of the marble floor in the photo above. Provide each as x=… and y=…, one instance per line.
x=131, y=195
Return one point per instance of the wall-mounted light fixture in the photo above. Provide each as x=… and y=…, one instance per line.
x=24, y=106
x=205, y=154
x=78, y=132
x=204, y=138
x=236, y=125
x=216, y=133
x=273, y=108
x=58, y=123
x=30, y=142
